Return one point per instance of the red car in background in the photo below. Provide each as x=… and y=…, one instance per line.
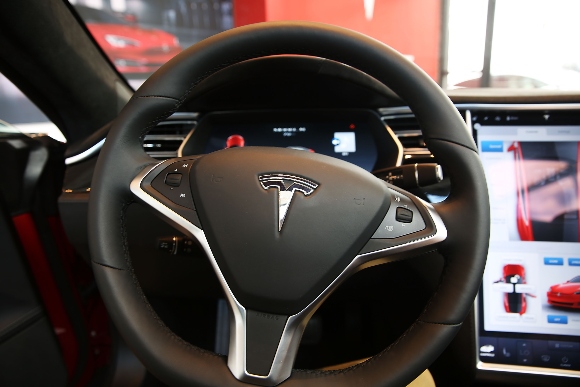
x=132, y=49
x=566, y=295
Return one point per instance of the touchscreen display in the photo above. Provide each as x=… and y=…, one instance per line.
x=530, y=299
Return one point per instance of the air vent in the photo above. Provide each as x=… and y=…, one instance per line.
x=407, y=129
x=163, y=141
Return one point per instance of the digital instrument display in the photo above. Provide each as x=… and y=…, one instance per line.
x=529, y=305
x=350, y=140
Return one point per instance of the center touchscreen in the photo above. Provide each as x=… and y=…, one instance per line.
x=530, y=298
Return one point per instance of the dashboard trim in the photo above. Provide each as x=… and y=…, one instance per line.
x=86, y=154
x=97, y=147
x=185, y=140
x=397, y=143
x=526, y=370
x=491, y=106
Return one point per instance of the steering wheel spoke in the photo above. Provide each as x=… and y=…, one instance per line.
x=263, y=346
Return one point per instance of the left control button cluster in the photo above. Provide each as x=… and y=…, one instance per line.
x=168, y=183
x=173, y=183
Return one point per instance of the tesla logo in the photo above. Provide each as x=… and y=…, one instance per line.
x=286, y=186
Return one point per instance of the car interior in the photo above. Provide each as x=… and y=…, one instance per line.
x=287, y=202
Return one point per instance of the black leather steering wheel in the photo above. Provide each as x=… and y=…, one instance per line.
x=282, y=228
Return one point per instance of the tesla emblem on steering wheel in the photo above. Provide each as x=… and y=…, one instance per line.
x=286, y=186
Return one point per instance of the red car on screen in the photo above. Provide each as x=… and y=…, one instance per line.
x=546, y=176
x=566, y=295
x=524, y=220
x=514, y=302
x=131, y=49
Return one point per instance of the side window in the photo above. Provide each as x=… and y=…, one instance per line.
x=17, y=110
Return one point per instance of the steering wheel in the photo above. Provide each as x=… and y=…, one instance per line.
x=283, y=228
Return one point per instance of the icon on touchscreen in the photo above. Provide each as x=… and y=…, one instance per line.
x=513, y=285
x=344, y=142
x=506, y=353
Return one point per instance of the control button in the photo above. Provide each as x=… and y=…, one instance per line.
x=564, y=346
x=487, y=347
x=556, y=319
x=545, y=358
x=573, y=261
x=507, y=350
x=568, y=361
x=167, y=244
x=175, y=245
x=524, y=351
x=404, y=215
x=524, y=347
x=173, y=179
x=392, y=227
x=492, y=146
x=552, y=261
x=173, y=183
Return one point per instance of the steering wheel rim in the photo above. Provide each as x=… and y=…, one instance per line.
x=465, y=212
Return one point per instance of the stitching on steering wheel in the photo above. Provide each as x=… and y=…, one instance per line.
x=153, y=123
x=222, y=66
x=452, y=142
x=426, y=308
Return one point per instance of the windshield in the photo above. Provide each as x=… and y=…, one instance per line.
x=504, y=44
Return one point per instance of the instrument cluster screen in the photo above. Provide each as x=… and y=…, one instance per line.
x=351, y=141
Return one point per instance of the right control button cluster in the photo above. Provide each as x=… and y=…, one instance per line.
x=403, y=218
